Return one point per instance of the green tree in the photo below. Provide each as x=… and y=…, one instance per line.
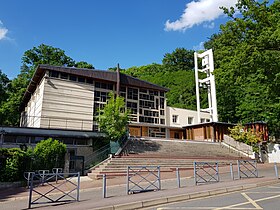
x=4, y=83
x=4, y=86
x=180, y=59
x=14, y=162
x=49, y=154
x=44, y=54
x=83, y=64
x=247, y=51
x=113, y=118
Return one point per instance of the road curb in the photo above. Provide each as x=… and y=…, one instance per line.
x=182, y=197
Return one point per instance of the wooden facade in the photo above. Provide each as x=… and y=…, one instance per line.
x=211, y=131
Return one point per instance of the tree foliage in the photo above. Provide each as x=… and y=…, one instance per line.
x=83, y=64
x=13, y=163
x=113, y=118
x=4, y=86
x=179, y=59
x=247, y=51
x=49, y=154
x=248, y=137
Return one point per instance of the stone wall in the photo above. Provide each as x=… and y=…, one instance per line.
x=239, y=145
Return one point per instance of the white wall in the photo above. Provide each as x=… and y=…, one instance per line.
x=67, y=104
x=33, y=110
x=183, y=115
x=273, y=153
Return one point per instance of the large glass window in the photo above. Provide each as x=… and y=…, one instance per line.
x=132, y=93
x=132, y=107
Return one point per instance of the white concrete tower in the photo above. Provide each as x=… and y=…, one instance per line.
x=207, y=68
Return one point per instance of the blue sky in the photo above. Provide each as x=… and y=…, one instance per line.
x=106, y=32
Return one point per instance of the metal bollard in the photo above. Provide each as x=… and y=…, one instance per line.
x=159, y=181
x=276, y=170
x=231, y=171
x=194, y=173
x=238, y=171
x=78, y=187
x=178, y=177
x=30, y=191
x=104, y=186
x=127, y=180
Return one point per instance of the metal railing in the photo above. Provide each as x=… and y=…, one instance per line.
x=56, y=122
x=247, y=169
x=205, y=172
x=103, y=152
x=57, y=188
x=98, y=155
x=143, y=179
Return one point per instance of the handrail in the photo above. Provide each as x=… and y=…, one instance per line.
x=123, y=142
x=103, y=152
x=98, y=155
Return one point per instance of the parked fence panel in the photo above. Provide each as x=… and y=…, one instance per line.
x=53, y=188
x=205, y=172
x=143, y=179
x=247, y=169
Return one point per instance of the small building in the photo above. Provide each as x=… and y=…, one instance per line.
x=209, y=131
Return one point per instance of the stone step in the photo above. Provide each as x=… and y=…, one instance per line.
x=169, y=155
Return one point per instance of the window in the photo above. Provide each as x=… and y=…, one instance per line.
x=175, y=118
x=161, y=103
x=54, y=74
x=63, y=76
x=89, y=81
x=97, y=84
x=202, y=120
x=108, y=86
x=132, y=93
x=162, y=121
x=132, y=107
x=162, y=112
x=143, y=91
x=72, y=78
x=190, y=120
x=207, y=120
x=81, y=79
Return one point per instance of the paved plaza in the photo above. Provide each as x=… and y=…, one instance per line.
x=91, y=196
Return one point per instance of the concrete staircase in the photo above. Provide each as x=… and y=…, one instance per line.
x=168, y=154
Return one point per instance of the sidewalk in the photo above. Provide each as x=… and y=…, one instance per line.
x=91, y=191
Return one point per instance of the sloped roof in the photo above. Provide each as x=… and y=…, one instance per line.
x=109, y=76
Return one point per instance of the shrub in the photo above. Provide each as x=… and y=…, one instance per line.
x=49, y=154
x=246, y=136
x=14, y=162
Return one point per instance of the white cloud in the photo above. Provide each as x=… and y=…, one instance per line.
x=197, y=12
x=209, y=25
x=3, y=31
x=200, y=46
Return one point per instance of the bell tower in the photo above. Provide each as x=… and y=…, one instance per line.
x=207, y=68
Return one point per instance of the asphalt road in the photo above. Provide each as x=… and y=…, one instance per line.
x=267, y=198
